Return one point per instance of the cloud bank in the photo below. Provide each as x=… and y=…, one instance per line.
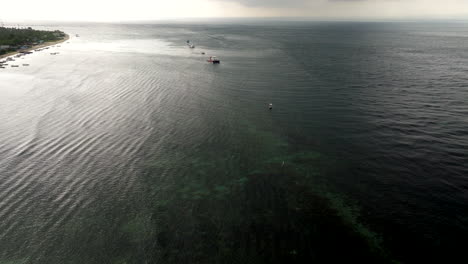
x=272, y=3
x=131, y=10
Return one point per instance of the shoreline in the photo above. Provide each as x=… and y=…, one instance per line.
x=32, y=48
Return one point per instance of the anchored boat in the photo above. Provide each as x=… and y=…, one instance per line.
x=214, y=60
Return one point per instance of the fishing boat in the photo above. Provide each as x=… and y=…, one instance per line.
x=214, y=60
x=190, y=45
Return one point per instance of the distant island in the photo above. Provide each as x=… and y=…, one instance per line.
x=14, y=40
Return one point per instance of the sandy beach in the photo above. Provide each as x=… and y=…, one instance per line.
x=45, y=44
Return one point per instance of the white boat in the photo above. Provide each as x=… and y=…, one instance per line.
x=214, y=60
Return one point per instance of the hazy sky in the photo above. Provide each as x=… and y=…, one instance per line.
x=121, y=10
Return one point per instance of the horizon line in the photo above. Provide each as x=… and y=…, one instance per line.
x=240, y=19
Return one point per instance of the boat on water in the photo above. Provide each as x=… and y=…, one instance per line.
x=270, y=106
x=202, y=53
x=14, y=66
x=214, y=60
x=25, y=64
x=190, y=45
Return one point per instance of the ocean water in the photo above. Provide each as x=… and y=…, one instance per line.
x=128, y=147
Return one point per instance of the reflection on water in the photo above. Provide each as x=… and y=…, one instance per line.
x=128, y=147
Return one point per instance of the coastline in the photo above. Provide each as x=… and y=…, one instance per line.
x=45, y=44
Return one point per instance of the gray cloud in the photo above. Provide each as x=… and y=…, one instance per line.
x=281, y=3
x=271, y=3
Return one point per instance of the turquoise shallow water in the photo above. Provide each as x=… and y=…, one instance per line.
x=128, y=147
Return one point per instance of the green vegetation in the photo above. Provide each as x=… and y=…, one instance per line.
x=12, y=39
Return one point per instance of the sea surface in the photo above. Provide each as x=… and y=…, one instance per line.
x=129, y=147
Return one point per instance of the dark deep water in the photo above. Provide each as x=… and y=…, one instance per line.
x=128, y=147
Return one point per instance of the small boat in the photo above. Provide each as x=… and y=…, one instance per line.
x=25, y=64
x=190, y=44
x=214, y=60
x=270, y=106
x=14, y=66
x=203, y=53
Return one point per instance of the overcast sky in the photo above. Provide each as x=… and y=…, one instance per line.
x=123, y=10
